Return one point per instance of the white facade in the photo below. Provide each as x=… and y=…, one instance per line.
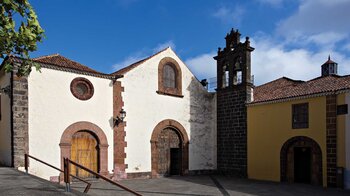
x=52, y=108
x=5, y=122
x=195, y=111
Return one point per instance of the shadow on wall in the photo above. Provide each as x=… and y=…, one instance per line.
x=202, y=152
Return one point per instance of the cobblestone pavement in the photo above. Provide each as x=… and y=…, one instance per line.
x=209, y=185
x=14, y=182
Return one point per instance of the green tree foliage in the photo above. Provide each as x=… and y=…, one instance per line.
x=19, y=40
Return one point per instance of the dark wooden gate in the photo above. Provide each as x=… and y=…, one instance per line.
x=169, y=149
x=302, y=164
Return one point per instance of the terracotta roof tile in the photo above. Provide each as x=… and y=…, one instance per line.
x=283, y=88
x=64, y=62
x=132, y=66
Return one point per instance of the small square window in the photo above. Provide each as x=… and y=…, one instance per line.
x=342, y=109
x=300, y=116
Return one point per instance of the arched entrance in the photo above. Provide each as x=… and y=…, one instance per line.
x=301, y=161
x=86, y=143
x=169, y=149
x=84, y=150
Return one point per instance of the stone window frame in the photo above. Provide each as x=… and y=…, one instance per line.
x=87, y=83
x=177, y=91
x=300, y=116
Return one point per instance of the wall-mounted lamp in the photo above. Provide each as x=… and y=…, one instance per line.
x=120, y=117
x=6, y=90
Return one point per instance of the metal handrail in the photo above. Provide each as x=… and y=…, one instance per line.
x=26, y=164
x=68, y=161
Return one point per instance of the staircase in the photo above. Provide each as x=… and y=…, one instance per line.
x=14, y=182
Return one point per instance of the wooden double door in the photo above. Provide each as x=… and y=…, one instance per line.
x=84, y=150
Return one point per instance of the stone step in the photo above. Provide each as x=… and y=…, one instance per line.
x=14, y=182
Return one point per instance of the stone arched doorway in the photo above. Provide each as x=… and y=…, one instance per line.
x=301, y=161
x=169, y=149
x=89, y=136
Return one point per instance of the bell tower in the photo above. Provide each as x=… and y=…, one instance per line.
x=234, y=91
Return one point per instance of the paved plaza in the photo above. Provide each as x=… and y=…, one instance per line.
x=13, y=182
x=209, y=185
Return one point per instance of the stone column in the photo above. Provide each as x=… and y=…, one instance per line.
x=19, y=119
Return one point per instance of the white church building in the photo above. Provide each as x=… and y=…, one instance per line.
x=150, y=119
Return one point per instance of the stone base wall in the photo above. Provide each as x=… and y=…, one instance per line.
x=232, y=131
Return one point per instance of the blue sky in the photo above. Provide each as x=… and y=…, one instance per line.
x=292, y=37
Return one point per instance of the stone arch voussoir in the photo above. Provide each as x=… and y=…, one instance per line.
x=286, y=173
x=168, y=123
x=66, y=142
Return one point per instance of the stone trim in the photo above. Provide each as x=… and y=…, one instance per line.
x=86, y=83
x=119, y=143
x=287, y=159
x=177, y=91
x=66, y=143
x=168, y=123
x=331, y=139
x=20, y=137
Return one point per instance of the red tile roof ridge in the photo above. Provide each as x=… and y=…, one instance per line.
x=281, y=78
x=46, y=56
x=280, y=89
x=126, y=69
x=64, y=62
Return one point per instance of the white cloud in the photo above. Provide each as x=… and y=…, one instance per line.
x=141, y=54
x=230, y=16
x=203, y=66
x=128, y=61
x=346, y=47
x=161, y=46
x=317, y=18
x=271, y=61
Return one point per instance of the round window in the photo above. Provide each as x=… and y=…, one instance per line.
x=82, y=88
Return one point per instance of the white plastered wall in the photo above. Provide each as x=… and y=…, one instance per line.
x=196, y=112
x=347, y=145
x=52, y=108
x=5, y=122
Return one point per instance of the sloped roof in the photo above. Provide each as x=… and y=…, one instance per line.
x=284, y=88
x=134, y=65
x=62, y=61
x=58, y=62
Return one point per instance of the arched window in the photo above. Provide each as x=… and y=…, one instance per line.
x=169, y=78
